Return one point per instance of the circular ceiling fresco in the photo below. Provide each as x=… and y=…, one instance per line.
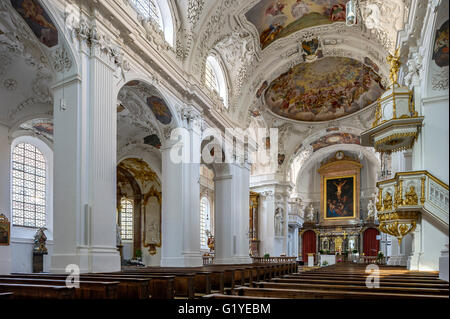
x=324, y=90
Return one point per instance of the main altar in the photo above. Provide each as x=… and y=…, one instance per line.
x=338, y=232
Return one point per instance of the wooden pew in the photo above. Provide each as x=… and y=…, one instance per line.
x=360, y=277
x=155, y=286
x=128, y=288
x=382, y=288
x=28, y=291
x=183, y=282
x=222, y=296
x=202, y=279
x=362, y=282
x=216, y=276
x=363, y=279
x=87, y=290
x=324, y=294
x=6, y=295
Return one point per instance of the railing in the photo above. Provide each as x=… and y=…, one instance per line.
x=273, y=260
x=372, y=260
x=208, y=259
x=294, y=219
x=414, y=191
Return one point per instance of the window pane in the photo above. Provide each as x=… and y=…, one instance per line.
x=148, y=9
x=126, y=219
x=211, y=78
x=27, y=195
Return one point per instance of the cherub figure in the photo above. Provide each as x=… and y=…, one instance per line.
x=394, y=61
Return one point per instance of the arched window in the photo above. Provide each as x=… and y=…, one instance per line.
x=126, y=219
x=205, y=222
x=148, y=9
x=215, y=79
x=28, y=186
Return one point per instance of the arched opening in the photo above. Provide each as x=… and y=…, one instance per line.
x=31, y=185
x=139, y=212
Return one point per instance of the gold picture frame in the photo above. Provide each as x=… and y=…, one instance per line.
x=152, y=246
x=5, y=230
x=343, y=179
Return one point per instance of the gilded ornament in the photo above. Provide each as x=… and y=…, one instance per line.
x=411, y=197
x=422, y=188
x=394, y=62
x=387, y=201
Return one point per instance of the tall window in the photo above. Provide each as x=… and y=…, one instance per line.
x=148, y=9
x=215, y=78
x=205, y=222
x=126, y=219
x=28, y=186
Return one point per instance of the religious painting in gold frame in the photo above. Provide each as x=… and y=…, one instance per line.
x=4, y=230
x=339, y=197
x=152, y=220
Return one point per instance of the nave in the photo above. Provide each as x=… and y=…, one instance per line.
x=224, y=149
x=244, y=281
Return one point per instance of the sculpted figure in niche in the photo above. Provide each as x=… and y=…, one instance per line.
x=311, y=213
x=279, y=222
x=371, y=209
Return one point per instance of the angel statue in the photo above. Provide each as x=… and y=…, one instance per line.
x=370, y=210
x=394, y=61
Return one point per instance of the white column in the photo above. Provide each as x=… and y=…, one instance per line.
x=70, y=241
x=443, y=264
x=5, y=208
x=85, y=166
x=102, y=162
x=231, y=213
x=266, y=223
x=224, y=197
x=181, y=203
x=416, y=254
x=296, y=242
x=241, y=214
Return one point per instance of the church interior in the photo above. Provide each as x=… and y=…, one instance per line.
x=219, y=149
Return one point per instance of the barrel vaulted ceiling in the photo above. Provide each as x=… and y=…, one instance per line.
x=260, y=40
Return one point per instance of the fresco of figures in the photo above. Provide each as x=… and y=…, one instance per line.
x=333, y=139
x=441, y=50
x=275, y=19
x=324, y=90
x=38, y=20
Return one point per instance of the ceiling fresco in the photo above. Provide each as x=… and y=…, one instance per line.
x=155, y=103
x=333, y=139
x=275, y=19
x=326, y=89
x=40, y=126
x=38, y=20
x=441, y=49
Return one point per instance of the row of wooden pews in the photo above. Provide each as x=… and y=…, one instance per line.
x=144, y=283
x=346, y=281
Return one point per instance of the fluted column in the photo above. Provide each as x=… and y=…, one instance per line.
x=181, y=199
x=85, y=159
x=231, y=213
